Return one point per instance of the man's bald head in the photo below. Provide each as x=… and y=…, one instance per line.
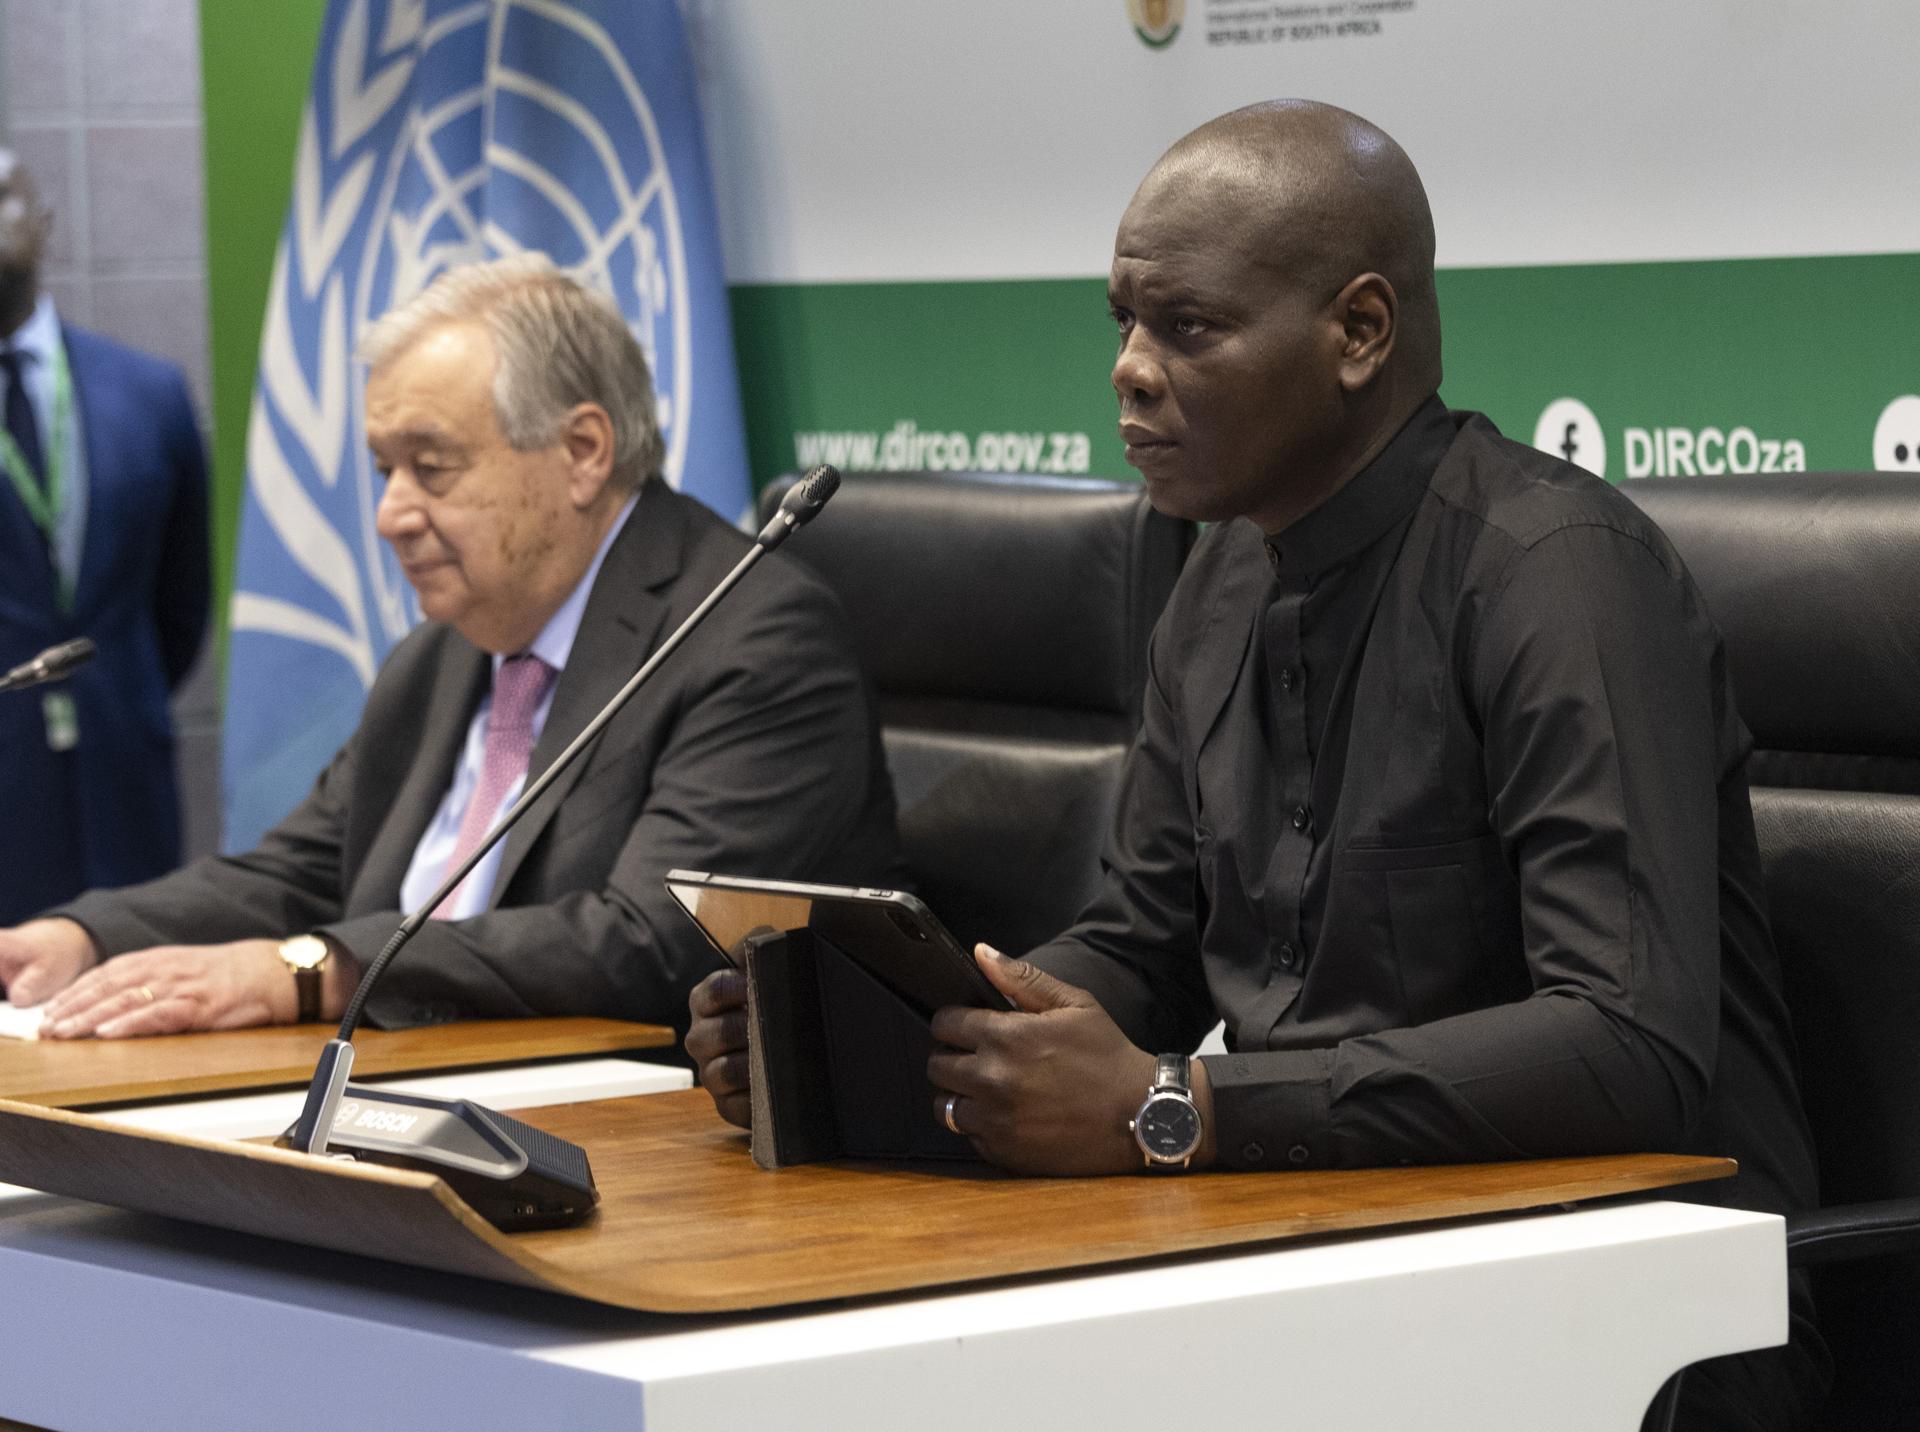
x=1273, y=285
x=1327, y=196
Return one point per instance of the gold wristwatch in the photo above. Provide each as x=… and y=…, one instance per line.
x=306, y=956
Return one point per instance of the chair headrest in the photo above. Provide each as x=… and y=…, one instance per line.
x=1814, y=580
x=1034, y=591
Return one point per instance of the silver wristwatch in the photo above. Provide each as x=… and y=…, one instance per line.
x=1167, y=1128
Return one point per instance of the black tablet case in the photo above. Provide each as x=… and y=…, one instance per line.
x=838, y=1060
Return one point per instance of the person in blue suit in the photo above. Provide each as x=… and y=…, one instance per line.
x=103, y=533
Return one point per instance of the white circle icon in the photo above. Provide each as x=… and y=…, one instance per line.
x=1896, y=437
x=1568, y=429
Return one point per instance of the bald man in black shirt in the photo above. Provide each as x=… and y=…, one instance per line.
x=1440, y=795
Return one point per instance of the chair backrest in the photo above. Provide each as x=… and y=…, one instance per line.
x=1814, y=579
x=1004, y=620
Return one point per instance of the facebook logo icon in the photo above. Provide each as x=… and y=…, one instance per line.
x=1569, y=429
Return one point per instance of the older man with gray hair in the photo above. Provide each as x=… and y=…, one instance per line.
x=511, y=415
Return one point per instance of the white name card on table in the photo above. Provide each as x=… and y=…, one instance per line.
x=19, y=1023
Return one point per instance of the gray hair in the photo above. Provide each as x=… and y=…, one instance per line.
x=557, y=344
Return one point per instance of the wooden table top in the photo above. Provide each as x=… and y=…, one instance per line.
x=73, y=1074
x=688, y=1224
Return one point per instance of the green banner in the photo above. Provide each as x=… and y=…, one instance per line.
x=1694, y=368
x=998, y=376
x=1710, y=367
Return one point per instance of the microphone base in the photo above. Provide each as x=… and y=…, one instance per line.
x=513, y=1175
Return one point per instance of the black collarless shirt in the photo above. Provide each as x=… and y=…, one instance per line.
x=1282, y=734
x=1439, y=801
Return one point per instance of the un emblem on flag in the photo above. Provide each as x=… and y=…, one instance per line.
x=439, y=132
x=438, y=135
x=556, y=137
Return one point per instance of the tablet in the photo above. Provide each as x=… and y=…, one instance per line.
x=888, y=933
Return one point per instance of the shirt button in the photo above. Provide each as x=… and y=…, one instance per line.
x=1287, y=957
x=1273, y=556
x=1288, y=676
x=1298, y=1154
x=1253, y=1153
x=1302, y=817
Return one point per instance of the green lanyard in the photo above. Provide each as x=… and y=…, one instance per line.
x=43, y=504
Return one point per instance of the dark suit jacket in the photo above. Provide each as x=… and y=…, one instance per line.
x=107, y=812
x=753, y=750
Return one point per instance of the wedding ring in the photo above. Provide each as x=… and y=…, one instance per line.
x=146, y=995
x=952, y=1099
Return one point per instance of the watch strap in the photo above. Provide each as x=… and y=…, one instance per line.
x=306, y=988
x=1173, y=1071
x=307, y=974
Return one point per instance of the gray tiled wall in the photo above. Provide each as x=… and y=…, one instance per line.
x=102, y=99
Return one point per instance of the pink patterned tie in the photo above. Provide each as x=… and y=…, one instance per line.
x=517, y=689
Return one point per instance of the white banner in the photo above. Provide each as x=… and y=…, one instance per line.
x=1002, y=138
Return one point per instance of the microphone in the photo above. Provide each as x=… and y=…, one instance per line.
x=805, y=498
x=57, y=662
x=515, y=1176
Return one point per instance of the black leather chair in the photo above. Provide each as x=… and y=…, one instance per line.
x=1005, y=622
x=1815, y=581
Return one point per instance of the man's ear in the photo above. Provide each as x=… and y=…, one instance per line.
x=587, y=435
x=1369, y=314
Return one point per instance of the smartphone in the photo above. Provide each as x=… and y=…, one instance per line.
x=888, y=933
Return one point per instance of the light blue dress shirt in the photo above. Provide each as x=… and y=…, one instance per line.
x=430, y=856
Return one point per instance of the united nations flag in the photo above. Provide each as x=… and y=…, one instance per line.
x=440, y=131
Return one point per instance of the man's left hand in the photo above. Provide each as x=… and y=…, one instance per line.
x=172, y=989
x=1050, y=1087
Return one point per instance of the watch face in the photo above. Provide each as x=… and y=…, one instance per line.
x=1169, y=1127
x=304, y=952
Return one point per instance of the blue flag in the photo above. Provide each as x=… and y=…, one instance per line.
x=441, y=131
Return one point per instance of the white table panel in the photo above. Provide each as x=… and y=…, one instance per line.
x=1561, y=1320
